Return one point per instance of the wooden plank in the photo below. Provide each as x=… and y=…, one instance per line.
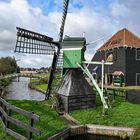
x=23, y=125
x=15, y=134
x=3, y=113
x=21, y=111
x=25, y=113
x=12, y=133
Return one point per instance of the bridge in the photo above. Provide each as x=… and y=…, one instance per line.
x=30, y=75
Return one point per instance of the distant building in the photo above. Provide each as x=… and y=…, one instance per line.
x=123, y=49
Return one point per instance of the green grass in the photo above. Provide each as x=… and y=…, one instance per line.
x=50, y=122
x=4, y=135
x=42, y=86
x=121, y=114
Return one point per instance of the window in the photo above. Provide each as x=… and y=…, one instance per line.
x=137, y=54
x=109, y=57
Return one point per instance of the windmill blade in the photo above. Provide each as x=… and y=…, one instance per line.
x=34, y=43
x=65, y=9
x=56, y=55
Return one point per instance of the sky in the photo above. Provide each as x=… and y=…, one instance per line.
x=99, y=19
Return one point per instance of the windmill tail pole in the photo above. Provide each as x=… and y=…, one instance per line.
x=86, y=71
x=56, y=54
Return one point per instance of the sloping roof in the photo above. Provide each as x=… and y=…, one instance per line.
x=122, y=38
x=117, y=73
x=73, y=42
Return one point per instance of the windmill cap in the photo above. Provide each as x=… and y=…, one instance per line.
x=73, y=42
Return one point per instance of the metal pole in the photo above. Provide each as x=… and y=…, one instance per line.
x=102, y=76
x=103, y=113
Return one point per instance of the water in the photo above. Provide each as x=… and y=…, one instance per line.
x=94, y=137
x=20, y=91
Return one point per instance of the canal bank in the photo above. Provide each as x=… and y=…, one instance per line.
x=94, y=132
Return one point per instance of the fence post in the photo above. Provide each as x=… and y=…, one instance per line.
x=125, y=92
x=9, y=114
x=3, y=118
x=31, y=121
x=1, y=107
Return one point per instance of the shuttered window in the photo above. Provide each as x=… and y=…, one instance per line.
x=137, y=54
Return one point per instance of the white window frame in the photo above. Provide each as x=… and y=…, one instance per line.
x=136, y=54
x=136, y=78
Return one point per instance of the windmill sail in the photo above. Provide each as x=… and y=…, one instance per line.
x=56, y=54
x=34, y=43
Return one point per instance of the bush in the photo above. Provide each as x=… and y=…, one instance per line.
x=4, y=82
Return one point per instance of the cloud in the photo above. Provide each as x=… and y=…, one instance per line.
x=34, y=61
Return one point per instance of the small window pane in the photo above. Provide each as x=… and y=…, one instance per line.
x=138, y=54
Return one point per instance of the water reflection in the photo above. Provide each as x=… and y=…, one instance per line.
x=94, y=137
x=20, y=91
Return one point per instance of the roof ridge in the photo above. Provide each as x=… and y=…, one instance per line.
x=121, y=38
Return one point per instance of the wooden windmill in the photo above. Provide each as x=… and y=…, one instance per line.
x=73, y=52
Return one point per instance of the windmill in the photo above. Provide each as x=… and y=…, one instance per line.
x=73, y=52
x=36, y=43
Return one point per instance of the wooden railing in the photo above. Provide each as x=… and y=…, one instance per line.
x=24, y=75
x=6, y=110
x=115, y=93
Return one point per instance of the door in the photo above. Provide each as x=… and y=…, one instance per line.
x=137, y=78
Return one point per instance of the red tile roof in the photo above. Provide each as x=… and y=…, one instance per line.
x=122, y=38
x=117, y=73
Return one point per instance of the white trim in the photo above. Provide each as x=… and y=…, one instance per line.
x=136, y=78
x=71, y=49
x=136, y=55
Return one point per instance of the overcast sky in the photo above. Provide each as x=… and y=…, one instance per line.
x=97, y=18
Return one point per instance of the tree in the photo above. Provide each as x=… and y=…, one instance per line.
x=4, y=82
x=8, y=65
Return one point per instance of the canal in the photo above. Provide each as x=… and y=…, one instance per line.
x=20, y=91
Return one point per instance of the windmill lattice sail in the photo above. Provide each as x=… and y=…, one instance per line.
x=34, y=43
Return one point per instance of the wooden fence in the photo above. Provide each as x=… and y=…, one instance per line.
x=116, y=93
x=6, y=110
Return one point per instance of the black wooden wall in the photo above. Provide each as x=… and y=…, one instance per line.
x=124, y=61
x=132, y=66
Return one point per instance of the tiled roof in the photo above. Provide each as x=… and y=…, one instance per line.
x=122, y=38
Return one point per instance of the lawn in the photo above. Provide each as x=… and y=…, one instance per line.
x=4, y=135
x=50, y=122
x=121, y=114
x=41, y=86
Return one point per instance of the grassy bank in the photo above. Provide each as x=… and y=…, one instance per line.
x=41, y=84
x=50, y=122
x=121, y=114
x=42, y=87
